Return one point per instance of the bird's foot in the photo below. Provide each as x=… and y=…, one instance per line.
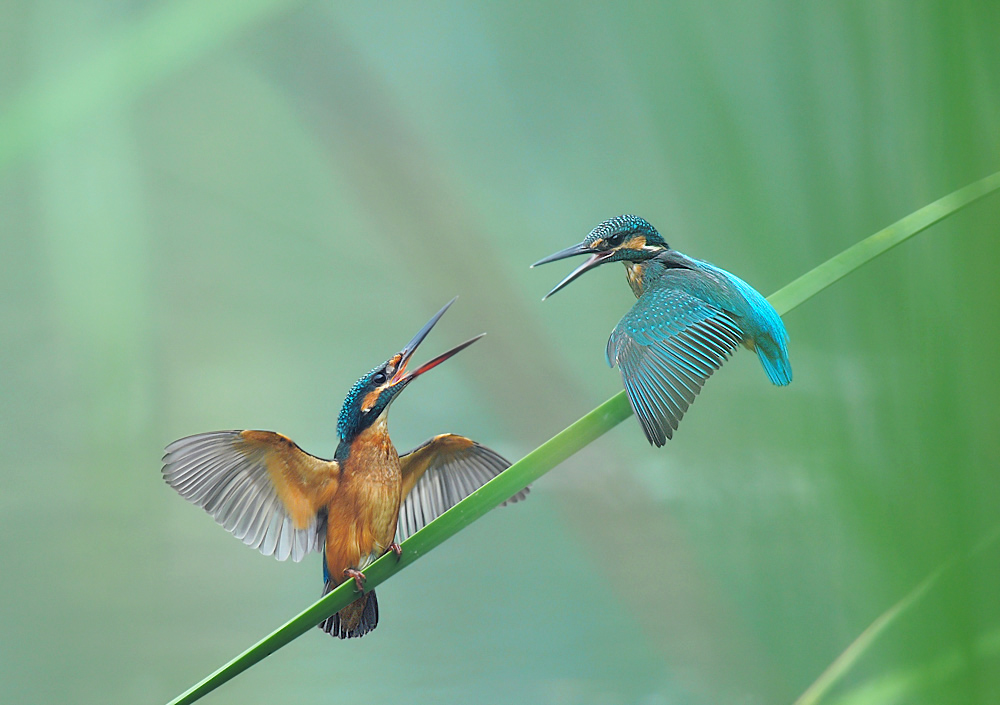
x=397, y=549
x=358, y=577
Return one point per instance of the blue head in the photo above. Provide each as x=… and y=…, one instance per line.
x=371, y=395
x=625, y=238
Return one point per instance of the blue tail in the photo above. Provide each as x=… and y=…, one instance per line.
x=774, y=357
x=761, y=323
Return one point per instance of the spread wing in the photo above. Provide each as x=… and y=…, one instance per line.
x=666, y=347
x=439, y=474
x=259, y=485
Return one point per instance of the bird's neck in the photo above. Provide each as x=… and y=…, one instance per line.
x=636, y=274
x=642, y=275
x=371, y=444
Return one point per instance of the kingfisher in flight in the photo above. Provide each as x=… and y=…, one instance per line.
x=690, y=316
x=284, y=502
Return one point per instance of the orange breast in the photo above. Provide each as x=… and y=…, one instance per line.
x=361, y=516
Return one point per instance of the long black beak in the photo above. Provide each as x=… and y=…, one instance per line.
x=580, y=249
x=407, y=352
x=595, y=259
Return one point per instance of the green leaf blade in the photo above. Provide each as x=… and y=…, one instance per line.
x=836, y=268
x=584, y=431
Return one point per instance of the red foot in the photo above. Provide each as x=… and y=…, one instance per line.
x=395, y=548
x=358, y=577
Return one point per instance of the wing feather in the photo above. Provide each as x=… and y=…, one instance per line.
x=258, y=485
x=439, y=474
x=666, y=347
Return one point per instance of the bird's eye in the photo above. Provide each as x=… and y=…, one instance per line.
x=379, y=377
x=615, y=240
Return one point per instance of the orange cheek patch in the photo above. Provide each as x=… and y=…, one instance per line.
x=370, y=399
x=635, y=243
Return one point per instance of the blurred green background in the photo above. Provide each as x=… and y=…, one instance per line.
x=219, y=215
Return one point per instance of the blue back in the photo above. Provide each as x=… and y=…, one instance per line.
x=758, y=320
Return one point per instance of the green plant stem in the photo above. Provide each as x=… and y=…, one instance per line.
x=569, y=441
x=857, y=648
x=902, y=685
x=843, y=663
x=818, y=278
x=529, y=468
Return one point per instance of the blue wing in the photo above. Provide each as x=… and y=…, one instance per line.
x=666, y=347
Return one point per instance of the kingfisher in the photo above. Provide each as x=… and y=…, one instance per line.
x=364, y=502
x=689, y=317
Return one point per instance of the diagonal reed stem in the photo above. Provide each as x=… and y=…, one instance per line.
x=576, y=436
x=840, y=666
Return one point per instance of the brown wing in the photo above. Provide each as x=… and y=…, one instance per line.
x=439, y=474
x=259, y=485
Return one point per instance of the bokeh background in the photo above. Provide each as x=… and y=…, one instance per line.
x=219, y=215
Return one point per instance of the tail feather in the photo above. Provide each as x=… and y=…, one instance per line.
x=774, y=358
x=761, y=323
x=355, y=620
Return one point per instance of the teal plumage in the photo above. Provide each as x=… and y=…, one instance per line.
x=351, y=416
x=688, y=319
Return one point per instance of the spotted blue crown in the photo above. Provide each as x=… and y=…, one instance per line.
x=350, y=412
x=624, y=226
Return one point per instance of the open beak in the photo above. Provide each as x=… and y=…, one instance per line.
x=401, y=375
x=595, y=259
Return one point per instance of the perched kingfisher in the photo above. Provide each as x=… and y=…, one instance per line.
x=274, y=496
x=689, y=317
